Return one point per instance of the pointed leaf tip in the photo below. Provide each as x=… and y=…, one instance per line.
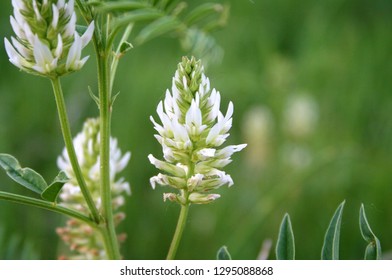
x=285, y=246
x=223, y=254
x=330, y=250
x=373, y=250
x=52, y=191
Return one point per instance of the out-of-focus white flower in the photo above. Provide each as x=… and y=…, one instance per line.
x=192, y=130
x=87, y=145
x=300, y=115
x=46, y=41
x=257, y=130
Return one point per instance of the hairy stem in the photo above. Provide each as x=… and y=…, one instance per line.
x=66, y=131
x=178, y=233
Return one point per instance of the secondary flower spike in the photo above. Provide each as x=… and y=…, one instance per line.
x=46, y=41
x=84, y=242
x=192, y=132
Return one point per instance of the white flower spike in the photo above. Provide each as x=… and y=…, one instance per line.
x=87, y=145
x=192, y=129
x=52, y=50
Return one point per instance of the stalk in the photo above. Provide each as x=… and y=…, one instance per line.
x=46, y=205
x=66, y=131
x=178, y=233
x=109, y=232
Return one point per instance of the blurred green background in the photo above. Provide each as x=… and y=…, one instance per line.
x=312, y=88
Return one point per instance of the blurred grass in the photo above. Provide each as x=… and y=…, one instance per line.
x=337, y=53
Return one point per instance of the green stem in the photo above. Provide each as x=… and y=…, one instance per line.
x=46, y=205
x=118, y=54
x=70, y=148
x=178, y=233
x=109, y=234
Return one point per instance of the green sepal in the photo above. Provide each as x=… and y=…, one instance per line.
x=26, y=177
x=52, y=191
x=285, y=246
x=223, y=254
x=373, y=250
x=330, y=250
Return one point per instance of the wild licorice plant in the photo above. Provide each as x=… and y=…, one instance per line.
x=48, y=42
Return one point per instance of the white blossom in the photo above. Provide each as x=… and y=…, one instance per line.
x=191, y=130
x=50, y=51
x=87, y=145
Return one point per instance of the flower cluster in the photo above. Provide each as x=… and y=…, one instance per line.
x=193, y=127
x=81, y=238
x=46, y=41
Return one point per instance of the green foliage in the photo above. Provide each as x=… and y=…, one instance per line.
x=223, y=254
x=373, y=250
x=336, y=52
x=52, y=191
x=14, y=247
x=156, y=18
x=26, y=177
x=330, y=250
x=31, y=180
x=285, y=247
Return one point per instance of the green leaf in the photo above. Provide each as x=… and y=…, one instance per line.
x=373, y=250
x=285, y=247
x=202, y=11
x=330, y=250
x=24, y=176
x=223, y=254
x=158, y=27
x=119, y=6
x=201, y=44
x=53, y=190
x=135, y=16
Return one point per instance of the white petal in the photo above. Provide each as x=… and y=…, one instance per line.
x=74, y=53
x=61, y=4
x=59, y=48
x=229, y=150
x=70, y=27
x=69, y=7
x=22, y=50
x=213, y=134
x=88, y=34
x=170, y=168
x=193, y=116
x=43, y=57
x=36, y=11
x=18, y=4
x=16, y=27
x=123, y=162
x=206, y=153
x=55, y=19
x=14, y=57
